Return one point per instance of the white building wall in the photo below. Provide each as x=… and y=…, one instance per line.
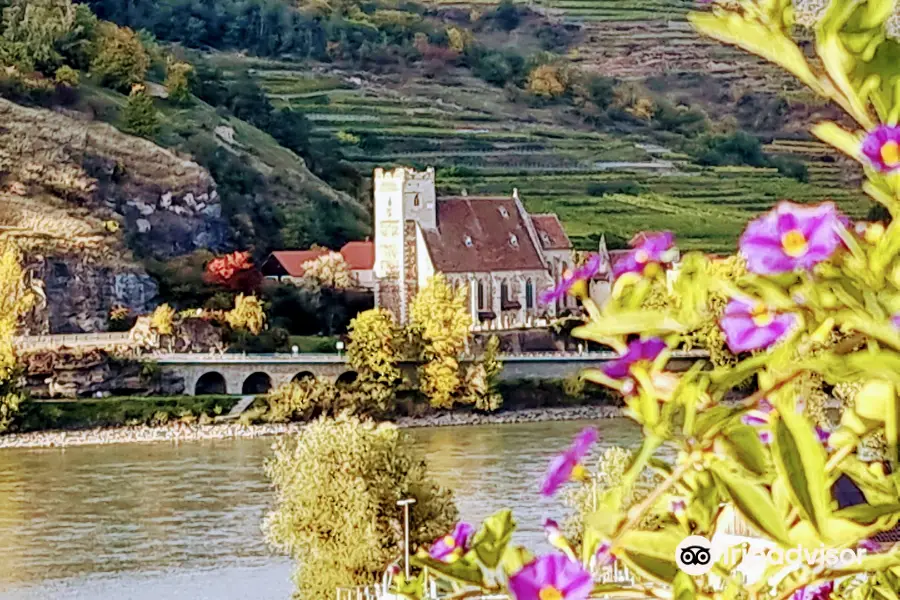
x=424, y=266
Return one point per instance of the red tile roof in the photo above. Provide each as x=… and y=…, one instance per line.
x=550, y=232
x=359, y=255
x=490, y=223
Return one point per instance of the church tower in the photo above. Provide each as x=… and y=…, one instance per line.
x=404, y=199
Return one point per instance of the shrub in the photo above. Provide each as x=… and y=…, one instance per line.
x=247, y=315
x=506, y=16
x=374, y=350
x=139, y=116
x=336, y=493
x=602, y=188
x=300, y=400
x=549, y=81
x=178, y=81
x=120, y=60
x=66, y=75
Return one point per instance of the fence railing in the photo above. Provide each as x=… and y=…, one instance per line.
x=72, y=339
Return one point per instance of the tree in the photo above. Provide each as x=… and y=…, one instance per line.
x=139, y=116
x=299, y=400
x=178, y=81
x=163, y=319
x=329, y=271
x=374, y=352
x=336, y=493
x=479, y=386
x=548, y=81
x=120, y=60
x=440, y=321
x=233, y=271
x=247, y=314
x=34, y=31
x=16, y=300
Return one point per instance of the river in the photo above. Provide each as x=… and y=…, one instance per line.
x=170, y=522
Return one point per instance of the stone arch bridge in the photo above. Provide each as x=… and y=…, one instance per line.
x=257, y=373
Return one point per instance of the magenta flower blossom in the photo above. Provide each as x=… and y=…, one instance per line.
x=821, y=591
x=753, y=326
x=791, y=236
x=895, y=320
x=568, y=281
x=882, y=147
x=639, y=353
x=568, y=465
x=650, y=248
x=869, y=546
x=822, y=434
x=604, y=556
x=452, y=546
x=761, y=419
x=551, y=577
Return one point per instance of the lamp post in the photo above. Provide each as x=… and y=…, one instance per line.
x=340, y=346
x=405, y=504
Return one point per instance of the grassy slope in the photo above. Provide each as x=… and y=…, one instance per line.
x=454, y=120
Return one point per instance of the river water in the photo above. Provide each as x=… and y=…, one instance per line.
x=170, y=522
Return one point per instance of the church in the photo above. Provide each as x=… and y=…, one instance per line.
x=492, y=247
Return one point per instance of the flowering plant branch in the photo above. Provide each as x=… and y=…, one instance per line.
x=820, y=298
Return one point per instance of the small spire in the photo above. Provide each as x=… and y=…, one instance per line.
x=515, y=193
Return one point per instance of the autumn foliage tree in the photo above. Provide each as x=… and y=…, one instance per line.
x=440, y=323
x=374, y=351
x=120, y=59
x=247, y=314
x=233, y=271
x=329, y=271
x=549, y=81
x=15, y=301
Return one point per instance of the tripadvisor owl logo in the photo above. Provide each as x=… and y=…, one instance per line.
x=694, y=555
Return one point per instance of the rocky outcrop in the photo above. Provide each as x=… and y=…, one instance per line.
x=78, y=296
x=78, y=374
x=168, y=202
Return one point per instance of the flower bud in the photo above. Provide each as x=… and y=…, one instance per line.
x=874, y=232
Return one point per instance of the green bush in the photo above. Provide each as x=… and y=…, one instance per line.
x=336, y=493
x=602, y=188
x=120, y=60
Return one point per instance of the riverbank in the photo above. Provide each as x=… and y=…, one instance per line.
x=181, y=432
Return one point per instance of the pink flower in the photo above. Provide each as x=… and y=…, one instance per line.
x=869, y=546
x=753, y=326
x=551, y=577
x=791, y=236
x=895, y=320
x=569, y=281
x=761, y=419
x=882, y=147
x=650, y=248
x=567, y=465
x=639, y=353
x=604, y=556
x=452, y=546
x=821, y=591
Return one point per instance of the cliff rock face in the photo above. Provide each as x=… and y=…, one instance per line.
x=78, y=374
x=72, y=192
x=168, y=202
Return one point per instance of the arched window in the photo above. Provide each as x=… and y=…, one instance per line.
x=504, y=292
x=481, y=295
x=416, y=200
x=529, y=294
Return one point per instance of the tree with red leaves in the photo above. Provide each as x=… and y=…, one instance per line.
x=233, y=271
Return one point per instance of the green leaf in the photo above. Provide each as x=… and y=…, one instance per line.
x=710, y=417
x=491, y=540
x=743, y=445
x=651, y=553
x=837, y=136
x=800, y=462
x=866, y=513
x=771, y=44
x=462, y=570
x=683, y=587
x=514, y=558
x=753, y=502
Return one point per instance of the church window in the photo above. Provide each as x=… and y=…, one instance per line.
x=481, y=303
x=416, y=200
x=468, y=241
x=504, y=292
x=513, y=240
x=529, y=294
x=503, y=212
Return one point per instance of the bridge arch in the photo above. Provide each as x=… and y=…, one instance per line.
x=209, y=383
x=347, y=377
x=303, y=375
x=257, y=383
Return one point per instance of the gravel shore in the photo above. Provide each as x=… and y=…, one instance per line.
x=225, y=431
